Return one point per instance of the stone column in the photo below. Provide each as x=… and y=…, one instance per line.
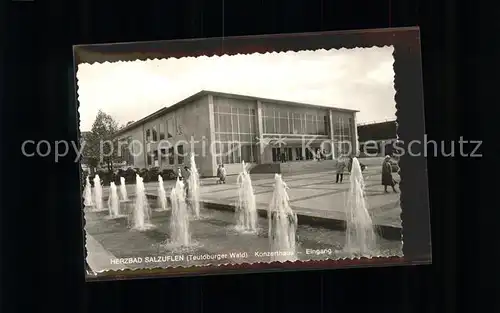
x=211, y=135
x=330, y=117
x=260, y=132
x=355, y=134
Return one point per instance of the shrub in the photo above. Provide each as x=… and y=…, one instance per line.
x=143, y=172
x=152, y=174
x=148, y=175
x=168, y=174
x=129, y=176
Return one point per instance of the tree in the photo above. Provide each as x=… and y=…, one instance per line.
x=100, y=144
x=89, y=157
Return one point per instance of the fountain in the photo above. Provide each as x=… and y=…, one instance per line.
x=113, y=201
x=123, y=189
x=99, y=205
x=142, y=211
x=282, y=223
x=361, y=239
x=87, y=193
x=179, y=220
x=162, y=195
x=246, y=210
x=194, y=188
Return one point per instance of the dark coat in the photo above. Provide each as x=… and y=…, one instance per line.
x=341, y=166
x=387, y=179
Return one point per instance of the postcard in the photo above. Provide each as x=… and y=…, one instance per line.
x=252, y=153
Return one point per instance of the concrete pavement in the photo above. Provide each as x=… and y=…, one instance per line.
x=314, y=194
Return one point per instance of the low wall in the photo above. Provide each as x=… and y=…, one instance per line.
x=384, y=231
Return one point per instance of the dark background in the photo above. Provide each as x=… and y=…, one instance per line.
x=40, y=255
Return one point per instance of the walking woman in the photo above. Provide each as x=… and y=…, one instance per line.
x=223, y=174
x=340, y=169
x=219, y=167
x=387, y=179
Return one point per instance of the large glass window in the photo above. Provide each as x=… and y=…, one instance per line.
x=156, y=161
x=287, y=121
x=154, y=133
x=283, y=122
x=162, y=131
x=297, y=124
x=170, y=128
x=234, y=133
x=268, y=123
x=324, y=129
x=148, y=135
x=171, y=157
x=127, y=150
x=343, y=135
x=310, y=124
x=247, y=152
x=163, y=156
x=178, y=123
x=180, y=154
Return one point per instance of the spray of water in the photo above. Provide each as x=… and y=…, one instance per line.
x=246, y=210
x=123, y=189
x=194, y=188
x=87, y=193
x=282, y=223
x=162, y=195
x=179, y=222
x=99, y=205
x=113, y=201
x=142, y=211
x=361, y=238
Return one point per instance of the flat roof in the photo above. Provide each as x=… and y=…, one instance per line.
x=203, y=93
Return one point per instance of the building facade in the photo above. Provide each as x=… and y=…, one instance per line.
x=377, y=139
x=227, y=129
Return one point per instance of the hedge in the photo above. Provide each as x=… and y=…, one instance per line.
x=148, y=175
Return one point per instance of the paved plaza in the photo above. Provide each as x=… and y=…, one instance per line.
x=314, y=194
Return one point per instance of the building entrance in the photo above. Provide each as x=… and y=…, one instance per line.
x=282, y=154
x=293, y=154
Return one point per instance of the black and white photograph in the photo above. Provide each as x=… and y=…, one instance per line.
x=247, y=158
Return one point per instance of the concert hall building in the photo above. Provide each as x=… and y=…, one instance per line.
x=377, y=138
x=222, y=128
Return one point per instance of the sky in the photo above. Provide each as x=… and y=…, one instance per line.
x=360, y=79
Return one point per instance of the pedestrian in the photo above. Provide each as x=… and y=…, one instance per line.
x=223, y=174
x=219, y=167
x=340, y=169
x=387, y=179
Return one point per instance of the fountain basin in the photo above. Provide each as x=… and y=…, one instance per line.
x=338, y=223
x=216, y=236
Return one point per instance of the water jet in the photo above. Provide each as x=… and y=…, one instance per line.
x=141, y=214
x=162, y=195
x=194, y=188
x=282, y=223
x=113, y=201
x=123, y=189
x=246, y=209
x=98, y=203
x=87, y=193
x=361, y=238
x=180, y=235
